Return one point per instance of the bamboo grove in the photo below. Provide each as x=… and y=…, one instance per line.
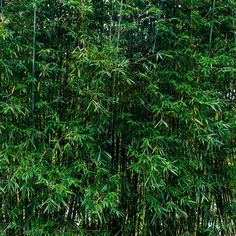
x=117, y=117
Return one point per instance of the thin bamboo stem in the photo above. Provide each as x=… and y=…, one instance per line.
x=114, y=91
x=212, y=25
x=33, y=68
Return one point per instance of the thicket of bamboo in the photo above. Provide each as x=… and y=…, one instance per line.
x=117, y=117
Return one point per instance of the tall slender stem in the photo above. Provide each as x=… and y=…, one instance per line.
x=33, y=68
x=111, y=23
x=119, y=23
x=212, y=25
x=234, y=18
x=114, y=88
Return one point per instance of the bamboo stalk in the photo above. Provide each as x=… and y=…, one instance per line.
x=33, y=68
x=212, y=25
x=112, y=138
x=234, y=19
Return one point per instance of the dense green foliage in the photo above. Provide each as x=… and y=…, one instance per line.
x=117, y=117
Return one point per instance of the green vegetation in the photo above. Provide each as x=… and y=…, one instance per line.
x=117, y=117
